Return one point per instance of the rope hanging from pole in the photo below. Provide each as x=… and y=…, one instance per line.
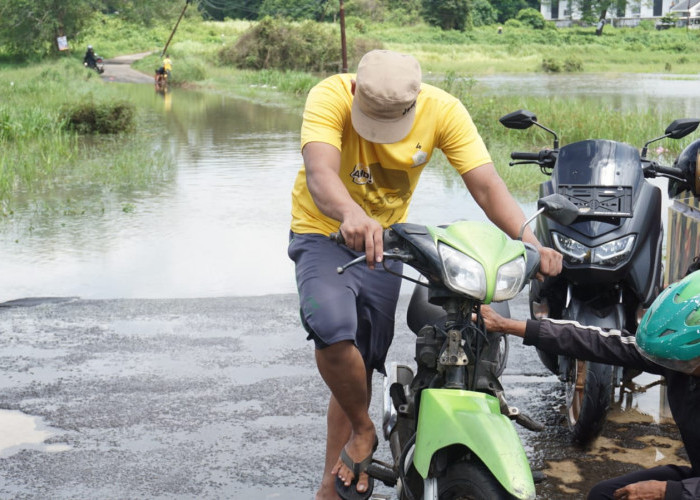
x=187, y=2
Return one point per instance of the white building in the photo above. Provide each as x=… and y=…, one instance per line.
x=686, y=11
x=565, y=12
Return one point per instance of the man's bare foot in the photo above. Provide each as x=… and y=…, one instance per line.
x=327, y=490
x=360, y=446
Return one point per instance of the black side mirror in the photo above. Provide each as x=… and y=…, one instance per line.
x=555, y=206
x=682, y=127
x=520, y=119
x=558, y=208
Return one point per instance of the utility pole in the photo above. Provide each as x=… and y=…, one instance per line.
x=187, y=2
x=343, y=44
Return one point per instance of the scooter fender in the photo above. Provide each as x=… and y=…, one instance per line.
x=473, y=419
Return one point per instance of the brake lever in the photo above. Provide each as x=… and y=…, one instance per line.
x=525, y=162
x=356, y=260
x=362, y=258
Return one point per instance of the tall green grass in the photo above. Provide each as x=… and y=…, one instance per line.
x=38, y=151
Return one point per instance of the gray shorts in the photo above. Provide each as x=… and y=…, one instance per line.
x=358, y=305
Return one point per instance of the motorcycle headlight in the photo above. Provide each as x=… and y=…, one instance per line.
x=608, y=254
x=462, y=273
x=509, y=279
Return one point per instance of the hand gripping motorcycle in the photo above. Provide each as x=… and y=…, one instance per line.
x=612, y=253
x=448, y=424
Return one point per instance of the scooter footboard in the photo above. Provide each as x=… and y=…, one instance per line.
x=473, y=419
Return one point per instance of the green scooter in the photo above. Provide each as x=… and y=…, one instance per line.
x=448, y=424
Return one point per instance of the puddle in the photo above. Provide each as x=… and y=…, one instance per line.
x=19, y=431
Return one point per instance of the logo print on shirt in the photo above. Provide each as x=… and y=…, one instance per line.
x=419, y=158
x=361, y=175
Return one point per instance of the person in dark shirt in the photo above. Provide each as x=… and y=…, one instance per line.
x=667, y=343
x=90, y=59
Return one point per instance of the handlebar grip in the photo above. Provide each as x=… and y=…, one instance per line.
x=337, y=237
x=521, y=155
x=671, y=171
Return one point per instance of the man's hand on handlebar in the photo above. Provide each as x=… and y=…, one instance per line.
x=550, y=262
x=364, y=234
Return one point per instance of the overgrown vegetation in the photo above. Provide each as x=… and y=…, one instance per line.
x=45, y=110
x=45, y=107
x=99, y=118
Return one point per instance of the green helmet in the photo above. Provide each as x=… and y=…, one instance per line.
x=669, y=333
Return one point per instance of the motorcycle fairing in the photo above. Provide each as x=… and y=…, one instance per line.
x=608, y=163
x=473, y=419
x=483, y=242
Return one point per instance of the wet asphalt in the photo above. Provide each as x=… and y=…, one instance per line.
x=220, y=399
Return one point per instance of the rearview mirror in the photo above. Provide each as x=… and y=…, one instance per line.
x=520, y=119
x=682, y=127
x=558, y=208
x=555, y=206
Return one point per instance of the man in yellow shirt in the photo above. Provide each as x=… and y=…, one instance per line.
x=167, y=65
x=365, y=139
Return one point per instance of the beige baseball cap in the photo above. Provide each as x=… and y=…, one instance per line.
x=386, y=88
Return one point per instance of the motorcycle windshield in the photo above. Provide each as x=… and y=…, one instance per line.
x=598, y=163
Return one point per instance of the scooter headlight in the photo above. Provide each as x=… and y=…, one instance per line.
x=509, y=280
x=608, y=254
x=462, y=273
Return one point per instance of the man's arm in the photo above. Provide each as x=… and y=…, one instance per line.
x=361, y=232
x=492, y=195
x=590, y=343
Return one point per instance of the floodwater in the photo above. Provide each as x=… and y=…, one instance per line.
x=219, y=225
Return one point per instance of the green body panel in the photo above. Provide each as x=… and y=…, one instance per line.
x=484, y=243
x=473, y=419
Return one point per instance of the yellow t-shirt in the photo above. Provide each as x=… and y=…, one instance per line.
x=167, y=64
x=381, y=178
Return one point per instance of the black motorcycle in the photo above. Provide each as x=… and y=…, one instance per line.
x=612, y=267
x=96, y=64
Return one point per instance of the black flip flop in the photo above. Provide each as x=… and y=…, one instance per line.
x=350, y=492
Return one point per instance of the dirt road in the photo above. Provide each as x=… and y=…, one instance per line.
x=118, y=69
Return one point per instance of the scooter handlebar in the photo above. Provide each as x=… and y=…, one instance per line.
x=337, y=238
x=521, y=155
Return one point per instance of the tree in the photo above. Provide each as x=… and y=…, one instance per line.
x=291, y=9
x=30, y=27
x=483, y=13
x=531, y=17
x=448, y=14
x=143, y=11
x=233, y=9
x=508, y=9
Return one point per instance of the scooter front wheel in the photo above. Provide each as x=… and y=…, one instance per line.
x=588, y=395
x=470, y=481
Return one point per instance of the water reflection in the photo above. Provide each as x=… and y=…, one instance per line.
x=25, y=432
x=624, y=91
x=217, y=225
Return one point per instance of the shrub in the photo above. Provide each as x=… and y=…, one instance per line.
x=551, y=65
x=513, y=23
x=91, y=118
x=280, y=44
x=531, y=17
x=571, y=64
x=646, y=25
